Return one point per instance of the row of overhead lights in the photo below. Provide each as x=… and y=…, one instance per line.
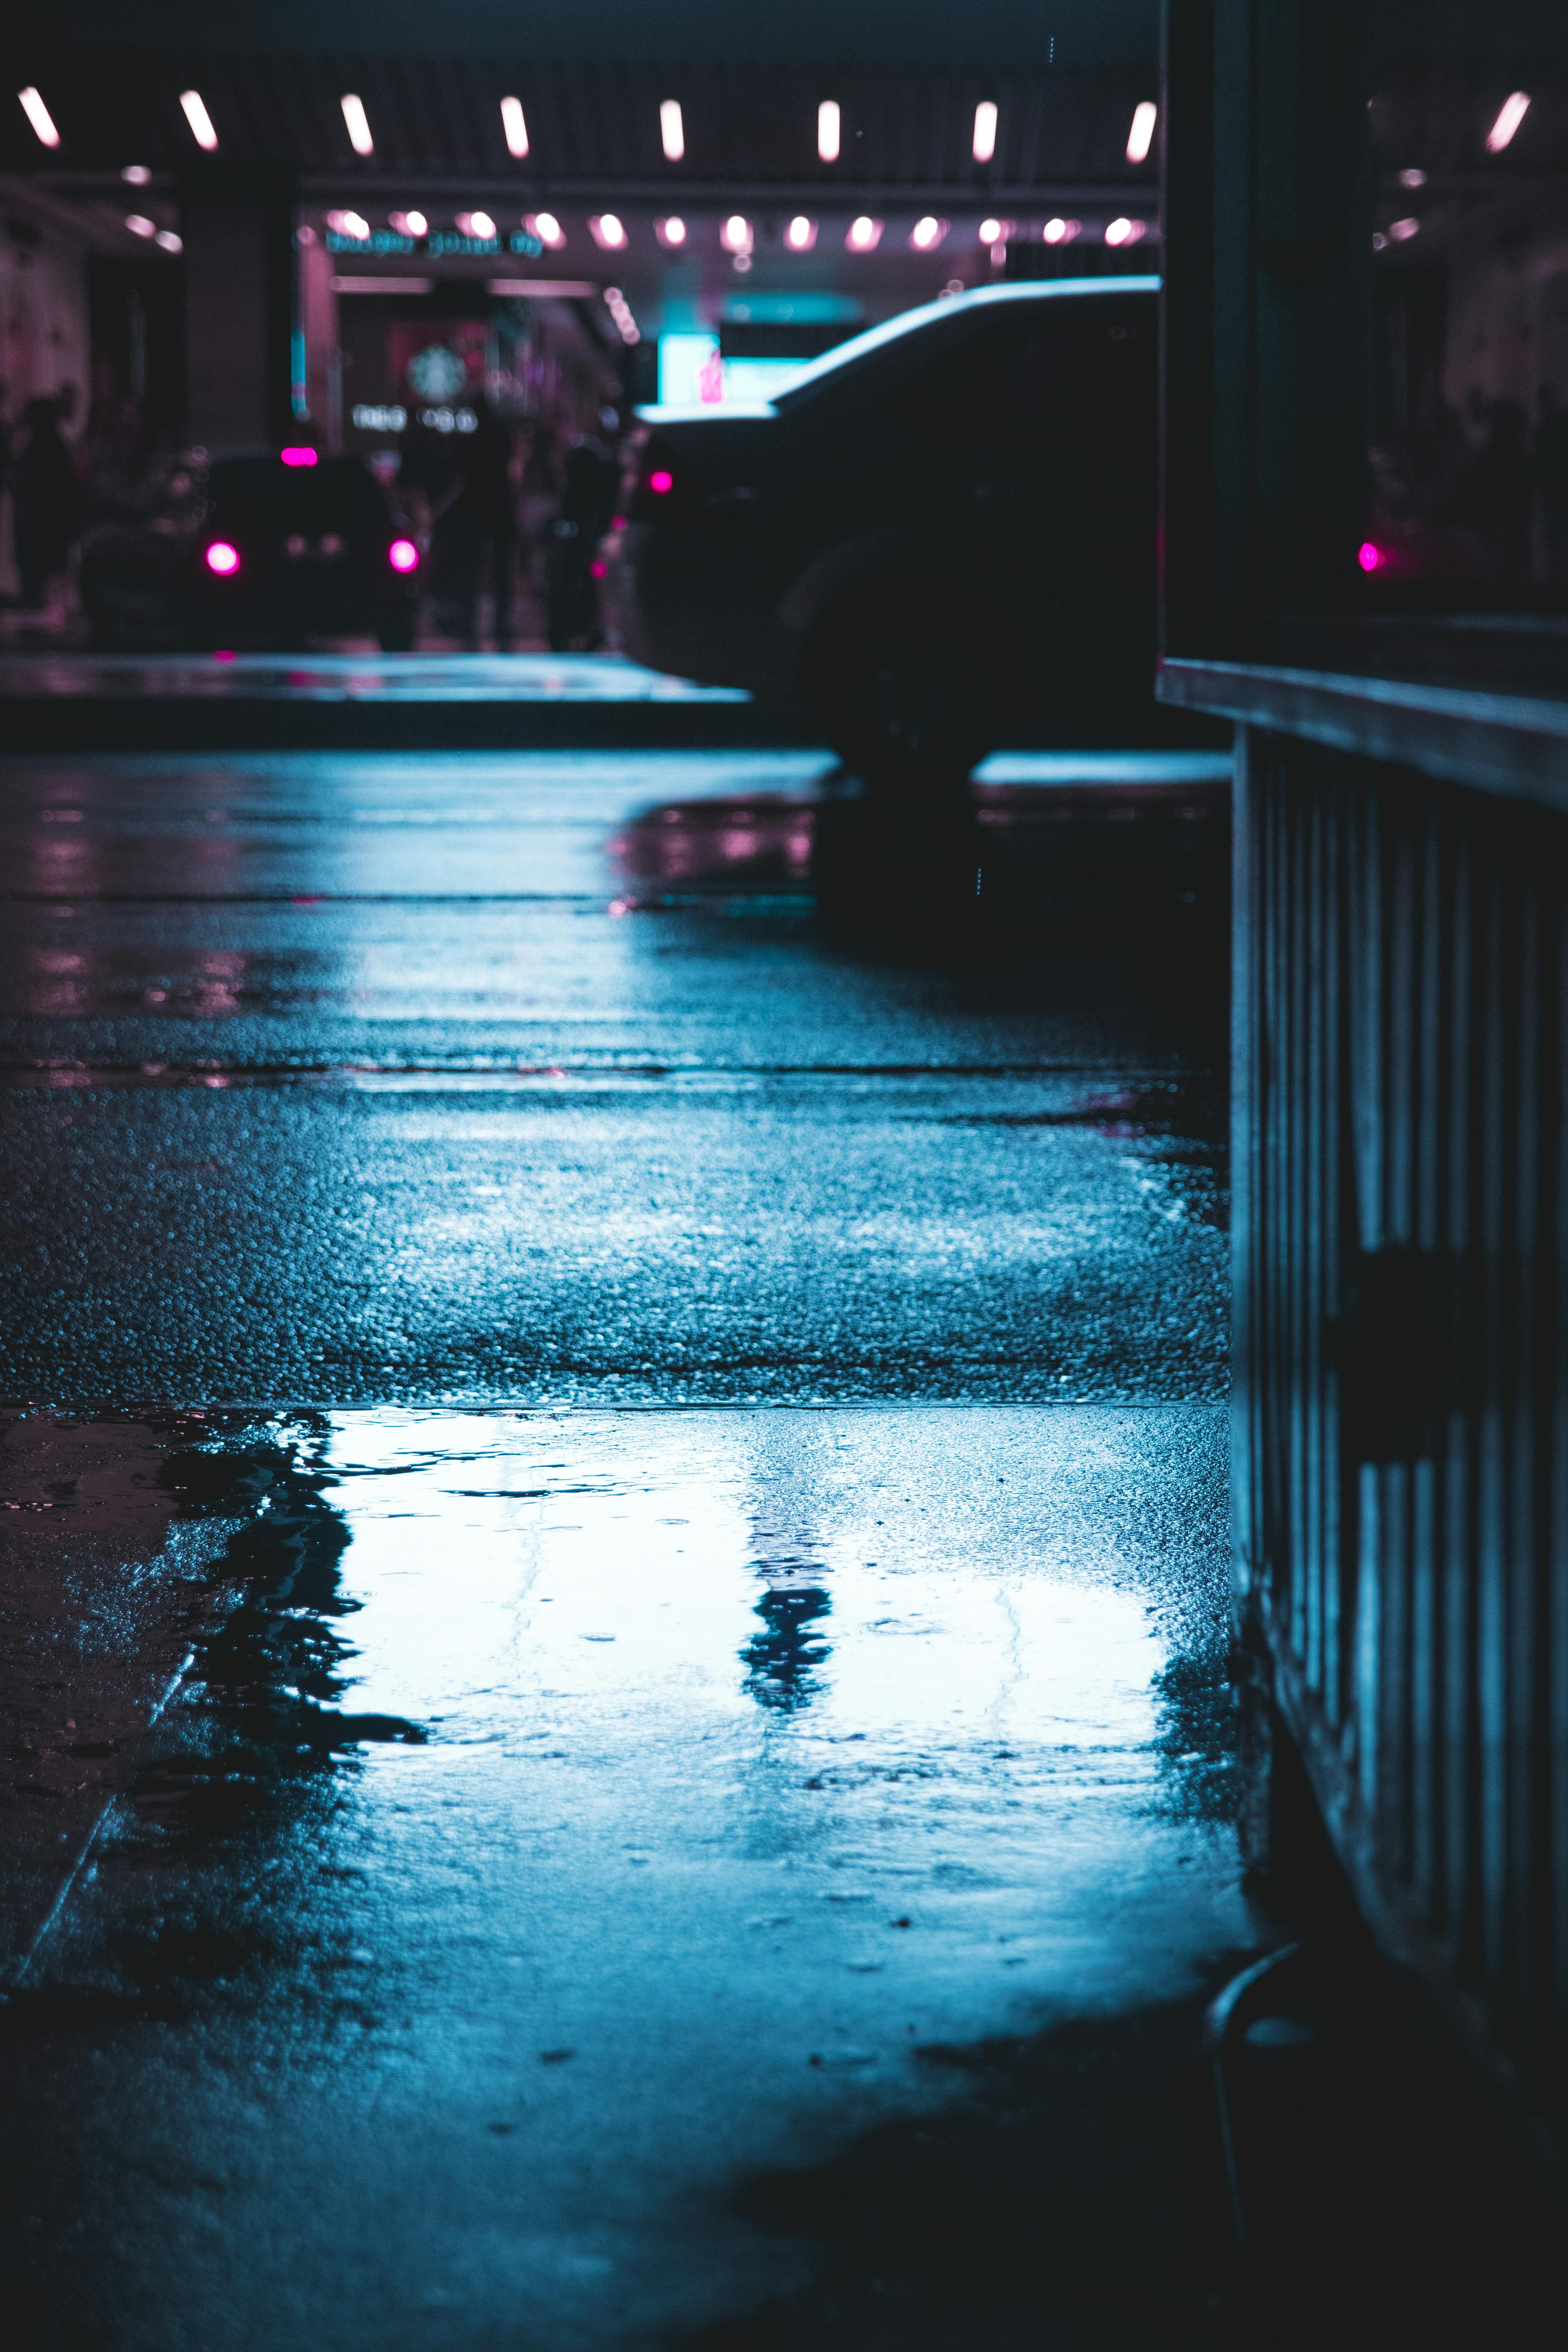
x=671, y=127
x=736, y=234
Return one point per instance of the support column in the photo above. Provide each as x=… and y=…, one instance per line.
x=239, y=229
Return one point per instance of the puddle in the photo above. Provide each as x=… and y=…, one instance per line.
x=922, y=1657
x=568, y=1814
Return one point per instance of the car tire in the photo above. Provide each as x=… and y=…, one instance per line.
x=903, y=678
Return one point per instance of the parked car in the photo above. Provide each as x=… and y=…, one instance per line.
x=270, y=549
x=943, y=532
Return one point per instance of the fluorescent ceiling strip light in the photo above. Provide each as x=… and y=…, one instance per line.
x=358, y=123
x=1140, y=138
x=200, y=121
x=39, y=115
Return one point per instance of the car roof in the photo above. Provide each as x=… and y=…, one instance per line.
x=892, y=330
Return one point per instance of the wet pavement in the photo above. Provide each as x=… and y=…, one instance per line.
x=615, y=1606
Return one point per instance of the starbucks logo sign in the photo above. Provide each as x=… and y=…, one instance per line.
x=436, y=373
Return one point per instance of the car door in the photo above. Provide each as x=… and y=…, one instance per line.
x=1039, y=441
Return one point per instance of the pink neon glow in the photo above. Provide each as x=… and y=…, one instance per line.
x=222, y=558
x=662, y=483
x=298, y=456
x=403, y=555
x=597, y=569
x=1368, y=556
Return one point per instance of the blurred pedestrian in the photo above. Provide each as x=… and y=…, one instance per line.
x=47, y=503
x=587, y=502
x=1551, y=473
x=478, y=529
x=1501, y=492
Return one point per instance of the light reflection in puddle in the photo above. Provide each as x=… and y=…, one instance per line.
x=906, y=1657
x=760, y=1749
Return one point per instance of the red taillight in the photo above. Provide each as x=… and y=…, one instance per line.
x=403, y=555
x=222, y=558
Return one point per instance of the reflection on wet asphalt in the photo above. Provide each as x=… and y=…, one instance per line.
x=481, y=1863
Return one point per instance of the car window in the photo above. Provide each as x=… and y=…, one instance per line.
x=1078, y=379
x=339, y=495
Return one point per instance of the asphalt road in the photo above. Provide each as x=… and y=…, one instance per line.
x=613, y=1528
x=450, y=1080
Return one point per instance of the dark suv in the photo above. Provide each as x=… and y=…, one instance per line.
x=943, y=532
x=283, y=547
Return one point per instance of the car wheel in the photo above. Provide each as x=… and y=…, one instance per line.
x=904, y=679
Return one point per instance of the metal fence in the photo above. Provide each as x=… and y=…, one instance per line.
x=1401, y=1430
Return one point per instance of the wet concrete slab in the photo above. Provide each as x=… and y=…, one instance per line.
x=570, y=1824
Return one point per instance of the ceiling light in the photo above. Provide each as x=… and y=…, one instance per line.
x=672, y=231
x=672, y=131
x=1413, y=179
x=1512, y=114
x=735, y=236
x=800, y=234
x=1402, y=229
x=1060, y=232
x=985, y=132
x=140, y=225
x=865, y=235
x=169, y=242
x=546, y=228
x=1140, y=138
x=39, y=115
x=479, y=225
x=607, y=230
x=200, y=121
x=827, y=131
x=408, y=224
x=927, y=234
x=137, y=175
x=516, y=129
x=1123, y=232
x=358, y=123
x=352, y=225
x=989, y=230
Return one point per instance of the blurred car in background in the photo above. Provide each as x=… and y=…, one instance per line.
x=943, y=532
x=267, y=550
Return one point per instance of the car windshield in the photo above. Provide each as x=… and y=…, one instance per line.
x=912, y=322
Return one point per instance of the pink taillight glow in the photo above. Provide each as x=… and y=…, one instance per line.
x=301, y=457
x=662, y=483
x=222, y=558
x=403, y=555
x=1368, y=556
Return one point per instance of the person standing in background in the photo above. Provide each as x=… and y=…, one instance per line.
x=46, y=498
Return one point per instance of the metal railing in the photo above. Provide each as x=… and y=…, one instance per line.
x=1400, y=1417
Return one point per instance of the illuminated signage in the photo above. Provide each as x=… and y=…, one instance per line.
x=440, y=242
